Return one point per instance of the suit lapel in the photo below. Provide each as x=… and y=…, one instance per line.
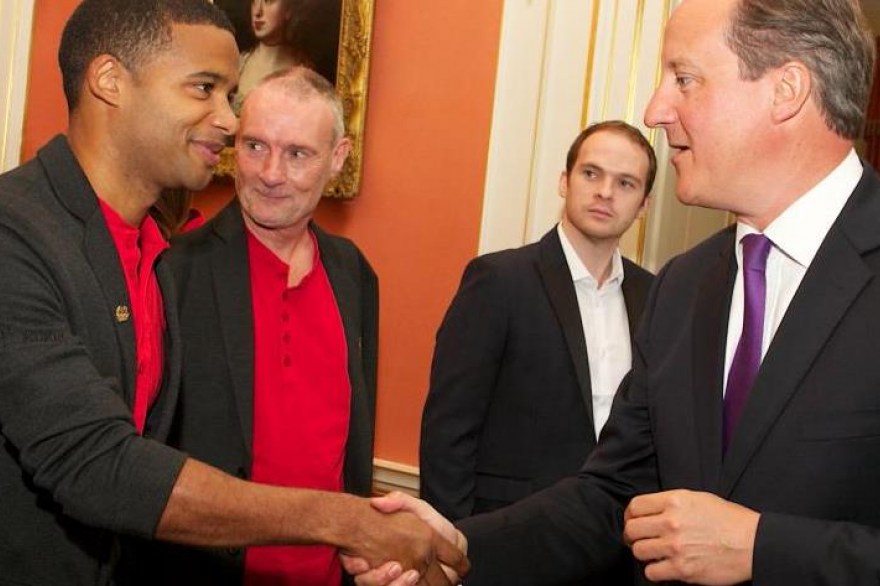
x=835, y=278
x=104, y=260
x=232, y=289
x=345, y=290
x=341, y=267
x=711, y=311
x=557, y=280
x=161, y=413
x=75, y=192
x=634, y=298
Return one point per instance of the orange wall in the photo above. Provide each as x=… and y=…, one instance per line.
x=418, y=214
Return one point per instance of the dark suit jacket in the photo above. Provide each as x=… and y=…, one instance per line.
x=214, y=417
x=510, y=407
x=805, y=453
x=73, y=469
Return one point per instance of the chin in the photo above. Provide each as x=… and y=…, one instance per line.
x=199, y=183
x=685, y=195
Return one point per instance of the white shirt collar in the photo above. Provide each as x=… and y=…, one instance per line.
x=799, y=231
x=576, y=266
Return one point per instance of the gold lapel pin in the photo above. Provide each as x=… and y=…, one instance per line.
x=123, y=314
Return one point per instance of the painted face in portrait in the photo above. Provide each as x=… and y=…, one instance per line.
x=269, y=19
x=177, y=105
x=286, y=153
x=605, y=190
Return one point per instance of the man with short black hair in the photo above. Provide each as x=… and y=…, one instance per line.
x=537, y=339
x=89, y=341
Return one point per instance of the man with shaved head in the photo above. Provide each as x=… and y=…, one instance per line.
x=279, y=324
x=90, y=351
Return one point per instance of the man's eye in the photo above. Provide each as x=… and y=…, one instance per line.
x=683, y=80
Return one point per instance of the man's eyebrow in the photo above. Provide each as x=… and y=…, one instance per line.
x=212, y=75
x=679, y=63
x=590, y=165
x=634, y=178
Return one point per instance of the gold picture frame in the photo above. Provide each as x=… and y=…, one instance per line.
x=352, y=73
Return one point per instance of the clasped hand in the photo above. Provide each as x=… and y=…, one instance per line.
x=445, y=567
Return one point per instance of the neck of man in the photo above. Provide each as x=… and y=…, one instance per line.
x=801, y=160
x=292, y=244
x=595, y=253
x=124, y=190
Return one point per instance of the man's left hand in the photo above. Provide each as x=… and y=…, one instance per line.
x=692, y=537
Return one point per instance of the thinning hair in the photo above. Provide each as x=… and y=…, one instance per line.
x=302, y=83
x=132, y=31
x=830, y=37
x=628, y=131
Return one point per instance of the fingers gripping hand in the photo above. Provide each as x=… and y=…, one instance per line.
x=388, y=574
x=692, y=537
x=447, y=544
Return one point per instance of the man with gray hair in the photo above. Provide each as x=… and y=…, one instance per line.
x=279, y=326
x=743, y=446
x=90, y=351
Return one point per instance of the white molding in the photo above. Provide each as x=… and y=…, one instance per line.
x=547, y=89
x=514, y=121
x=16, y=21
x=388, y=476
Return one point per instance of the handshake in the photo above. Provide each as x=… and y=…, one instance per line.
x=409, y=544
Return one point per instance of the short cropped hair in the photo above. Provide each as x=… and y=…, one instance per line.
x=830, y=37
x=130, y=30
x=620, y=127
x=304, y=82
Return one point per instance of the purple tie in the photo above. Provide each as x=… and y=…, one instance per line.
x=747, y=359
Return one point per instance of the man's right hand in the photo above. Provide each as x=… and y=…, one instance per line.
x=448, y=571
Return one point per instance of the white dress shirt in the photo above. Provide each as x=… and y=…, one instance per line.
x=796, y=235
x=606, y=328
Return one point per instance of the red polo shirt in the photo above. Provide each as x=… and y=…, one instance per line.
x=138, y=249
x=302, y=402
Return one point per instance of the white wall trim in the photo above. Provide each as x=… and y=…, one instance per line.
x=388, y=476
x=514, y=123
x=563, y=64
x=16, y=22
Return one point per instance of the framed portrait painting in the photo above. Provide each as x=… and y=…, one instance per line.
x=330, y=36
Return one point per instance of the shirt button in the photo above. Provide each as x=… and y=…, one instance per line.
x=286, y=361
x=286, y=338
x=285, y=317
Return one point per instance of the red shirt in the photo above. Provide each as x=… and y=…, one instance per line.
x=138, y=249
x=194, y=219
x=302, y=402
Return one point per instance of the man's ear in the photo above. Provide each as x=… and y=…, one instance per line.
x=104, y=78
x=563, y=184
x=646, y=203
x=792, y=87
x=340, y=153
